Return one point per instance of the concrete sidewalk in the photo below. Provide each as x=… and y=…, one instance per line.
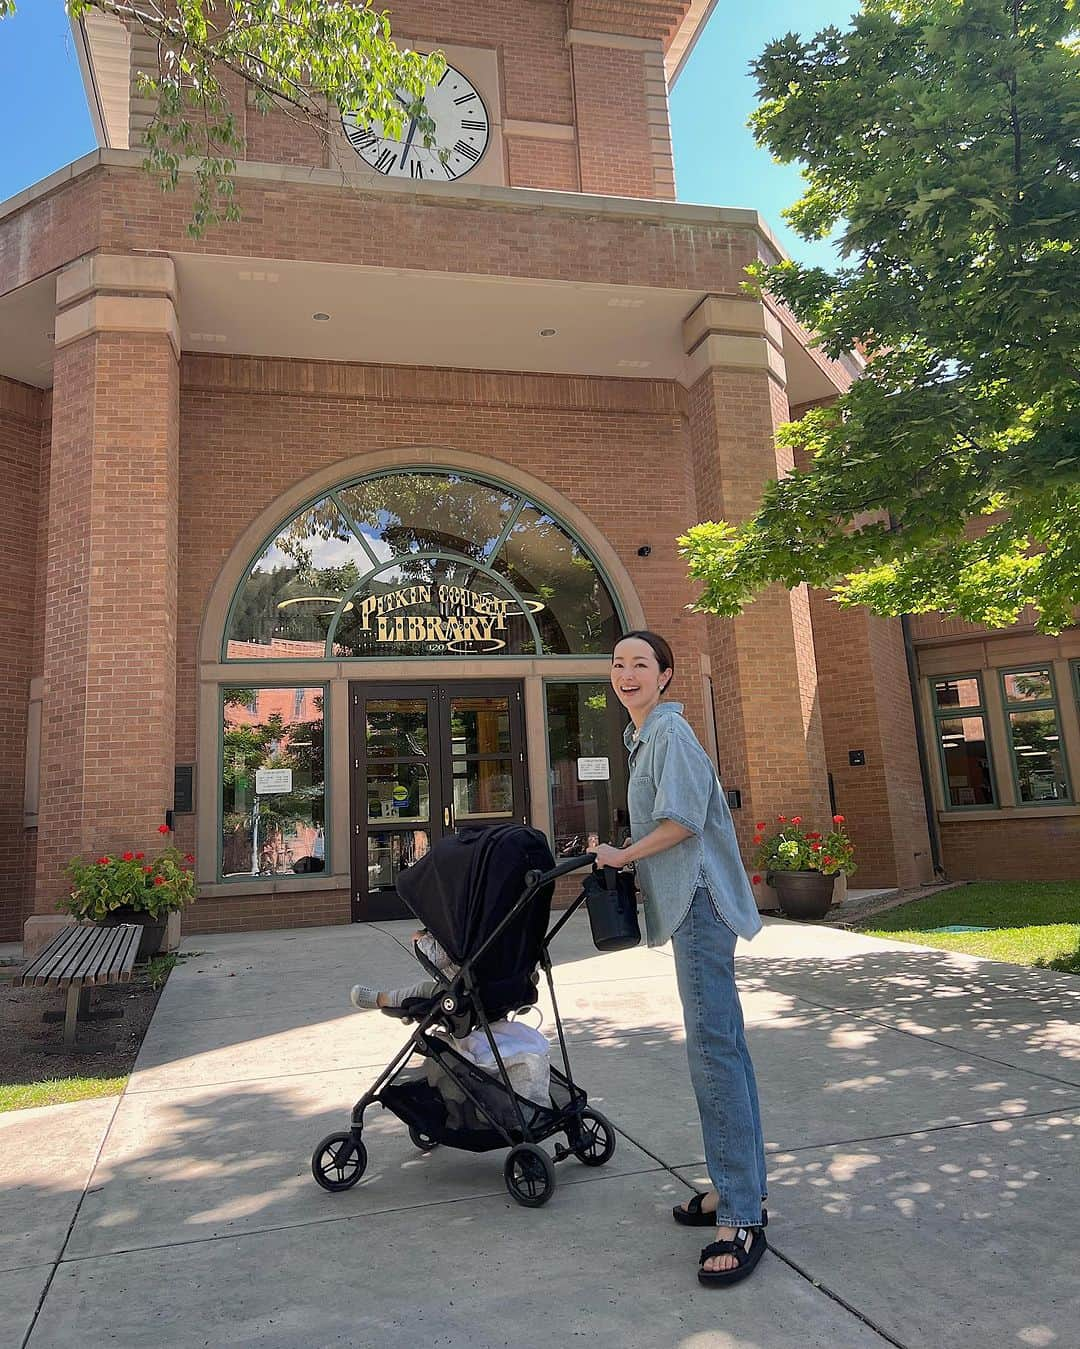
x=922, y=1111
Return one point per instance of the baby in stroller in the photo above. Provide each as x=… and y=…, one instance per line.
x=398, y=999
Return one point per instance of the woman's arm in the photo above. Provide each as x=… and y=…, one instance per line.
x=666, y=834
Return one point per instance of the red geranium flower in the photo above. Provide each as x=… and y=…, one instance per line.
x=758, y=838
x=129, y=857
x=815, y=847
x=838, y=819
x=189, y=857
x=827, y=859
x=755, y=880
x=813, y=836
x=796, y=819
x=164, y=829
x=147, y=870
x=760, y=824
x=782, y=819
x=159, y=880
x=103, y=861
x=139, y=856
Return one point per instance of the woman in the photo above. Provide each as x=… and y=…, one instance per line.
x=697, y=896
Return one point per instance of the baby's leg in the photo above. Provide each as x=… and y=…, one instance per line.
x=362, y=996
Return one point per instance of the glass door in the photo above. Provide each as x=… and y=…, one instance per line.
x=428, y=760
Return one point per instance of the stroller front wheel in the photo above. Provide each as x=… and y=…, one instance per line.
x=529, y=1174
x=338, y=1162
x=595, y=1141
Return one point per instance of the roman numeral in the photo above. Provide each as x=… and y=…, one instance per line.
x=385, y=160
x=362, y=139
x=465, y=98
x=474, y=126
x=416, y=169
x=467, y=151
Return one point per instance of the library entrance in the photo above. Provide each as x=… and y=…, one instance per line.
x=427, y=760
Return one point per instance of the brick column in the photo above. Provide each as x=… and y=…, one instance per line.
x=763, y=668
x=110, y=606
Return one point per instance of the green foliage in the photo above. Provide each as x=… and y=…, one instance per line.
x=793, y=848
x=299, y=57
x=942, y=137
x=130, y=880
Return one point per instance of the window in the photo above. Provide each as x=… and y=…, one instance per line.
x=273, y=820
x=1031, y=714
x=421, y=563
x=960, y=722
x=587, y=761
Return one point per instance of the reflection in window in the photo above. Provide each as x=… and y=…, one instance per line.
x=585, y=721
x=354, y=573
x=964, y=751
x=272, y=779
x=1035, y=735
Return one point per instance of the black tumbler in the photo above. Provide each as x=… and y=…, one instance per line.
x=611, y=899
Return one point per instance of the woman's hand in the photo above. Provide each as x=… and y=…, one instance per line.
x=607, y=856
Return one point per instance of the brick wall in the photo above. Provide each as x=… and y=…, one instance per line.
x=21, y=410
x=543, y=163
x=615, y=144
x=109, y=621
x=1012, y=850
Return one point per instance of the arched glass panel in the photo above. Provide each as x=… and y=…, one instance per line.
x=284, y=607
x=421, y=563
x=544, y=564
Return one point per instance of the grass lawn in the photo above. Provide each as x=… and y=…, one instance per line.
x=57, y=1091
x=1030, y=922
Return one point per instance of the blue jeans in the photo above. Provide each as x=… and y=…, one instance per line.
x=720, y=1066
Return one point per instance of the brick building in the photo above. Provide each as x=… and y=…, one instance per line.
x=320, y=528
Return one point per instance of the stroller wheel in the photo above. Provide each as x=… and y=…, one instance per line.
x=595, y=1140
x=529, y=1174
x=338, y=1162
x=422, y=1141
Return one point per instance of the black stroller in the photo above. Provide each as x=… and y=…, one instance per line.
x=463, y=892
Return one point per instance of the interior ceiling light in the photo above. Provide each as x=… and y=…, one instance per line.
x=320, y=317
x=548, y=332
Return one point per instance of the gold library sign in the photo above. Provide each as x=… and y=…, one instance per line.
x=462, y=617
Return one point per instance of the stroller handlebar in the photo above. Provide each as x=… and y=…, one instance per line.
x=537, y=878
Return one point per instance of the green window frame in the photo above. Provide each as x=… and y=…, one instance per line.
x=1012, y=707
x=317, y=878
x=947, y=713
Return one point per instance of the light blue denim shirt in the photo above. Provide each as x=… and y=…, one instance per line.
x=672, y=778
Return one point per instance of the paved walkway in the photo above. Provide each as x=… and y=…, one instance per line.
x=922, y=1111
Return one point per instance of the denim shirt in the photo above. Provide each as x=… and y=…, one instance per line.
x=672, y=778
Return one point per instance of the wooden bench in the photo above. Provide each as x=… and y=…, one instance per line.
x=79, y=958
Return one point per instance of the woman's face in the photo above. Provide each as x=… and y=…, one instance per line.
x=636, y=675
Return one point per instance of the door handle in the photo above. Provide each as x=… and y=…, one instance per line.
x=446, y=818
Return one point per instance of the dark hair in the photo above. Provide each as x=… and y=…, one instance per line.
x=660, y=650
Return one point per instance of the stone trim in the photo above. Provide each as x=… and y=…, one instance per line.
x=118, y=314
x=731, y=352
x=125, y=274
x=584, y=37
x=727, y=314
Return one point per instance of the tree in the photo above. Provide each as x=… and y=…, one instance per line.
x=296, y=56
x=941, y=138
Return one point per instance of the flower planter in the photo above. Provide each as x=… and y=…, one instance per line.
x=153, y=929
x=803, y=894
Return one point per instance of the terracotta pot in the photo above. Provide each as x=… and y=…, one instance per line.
x=153, y=929
x=803, y=894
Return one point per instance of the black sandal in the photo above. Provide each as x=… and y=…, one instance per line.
x=692, y=1215
x=748, y=1247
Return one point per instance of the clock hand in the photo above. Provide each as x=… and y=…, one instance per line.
x=408, y=142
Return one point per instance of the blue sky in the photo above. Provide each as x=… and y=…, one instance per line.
x=43, y=107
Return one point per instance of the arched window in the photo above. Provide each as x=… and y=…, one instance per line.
x=423, y=562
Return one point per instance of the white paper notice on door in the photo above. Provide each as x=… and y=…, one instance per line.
x=593, y=770
x=273, y=781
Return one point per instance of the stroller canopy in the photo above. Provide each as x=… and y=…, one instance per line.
x=463, y=889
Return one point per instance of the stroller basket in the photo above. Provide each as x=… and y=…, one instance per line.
x=463, y=1106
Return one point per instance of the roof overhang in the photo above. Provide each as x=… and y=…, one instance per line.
x=686, y=36
x=104, y=47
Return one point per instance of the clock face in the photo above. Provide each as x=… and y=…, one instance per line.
x=461, y=129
